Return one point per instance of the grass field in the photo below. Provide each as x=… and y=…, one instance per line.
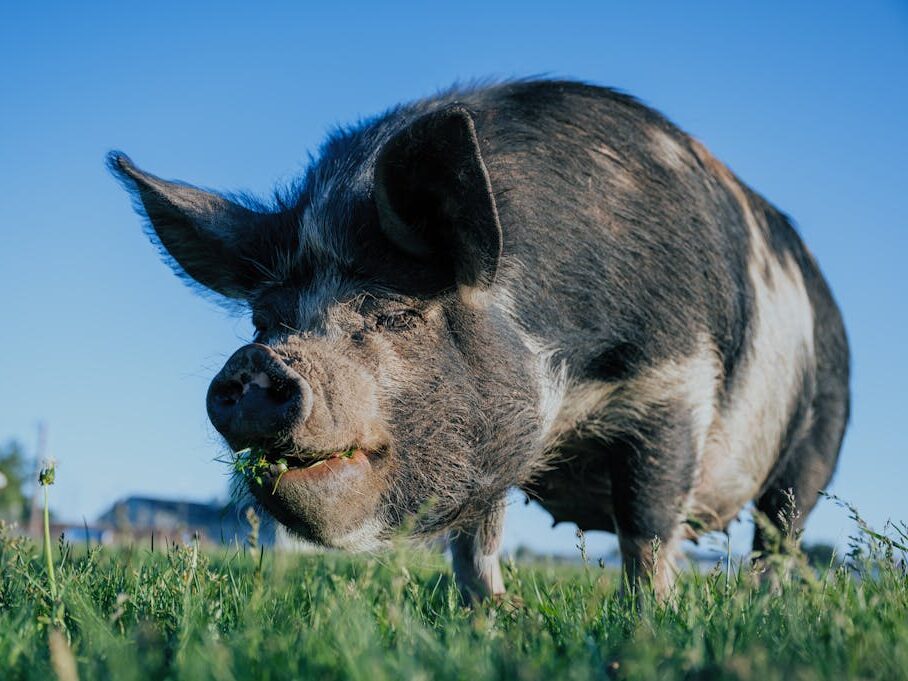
x=186, y=613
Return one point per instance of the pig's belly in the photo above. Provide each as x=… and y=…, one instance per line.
x=577, y=487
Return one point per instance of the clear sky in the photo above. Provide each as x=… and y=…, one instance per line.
x=100, y=340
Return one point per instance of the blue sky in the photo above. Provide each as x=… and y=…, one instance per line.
x=101, y=341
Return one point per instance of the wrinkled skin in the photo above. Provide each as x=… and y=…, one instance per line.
x=541, y=285
x=419, y=378
x=367, y=372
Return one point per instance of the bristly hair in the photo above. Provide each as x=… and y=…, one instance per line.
x=232, y=306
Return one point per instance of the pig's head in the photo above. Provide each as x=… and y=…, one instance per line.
x=381, y=370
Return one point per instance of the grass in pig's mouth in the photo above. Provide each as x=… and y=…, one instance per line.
x=253, y=464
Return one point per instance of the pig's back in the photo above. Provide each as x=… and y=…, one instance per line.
x=630, y=253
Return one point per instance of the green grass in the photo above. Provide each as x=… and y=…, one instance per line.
x=186, y=613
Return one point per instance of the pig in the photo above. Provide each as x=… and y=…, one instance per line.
x=538, y=285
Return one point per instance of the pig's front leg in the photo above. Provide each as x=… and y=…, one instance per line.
x=474, y=553
x=652, y=473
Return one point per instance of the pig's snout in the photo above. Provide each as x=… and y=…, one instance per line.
x=256, y=398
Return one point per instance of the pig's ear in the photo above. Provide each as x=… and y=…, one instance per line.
x=434, y=198
x=199, y=230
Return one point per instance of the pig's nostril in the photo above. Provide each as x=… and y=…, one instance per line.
x=257, y=395
x=283, y=392
x=228, y=393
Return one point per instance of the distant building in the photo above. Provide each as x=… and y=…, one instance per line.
x=178, y=521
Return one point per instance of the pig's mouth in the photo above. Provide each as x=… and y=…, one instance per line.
x=275, y=464
x=311, y=465
x=323, y=496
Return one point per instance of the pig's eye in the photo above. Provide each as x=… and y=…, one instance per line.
x=398, y=321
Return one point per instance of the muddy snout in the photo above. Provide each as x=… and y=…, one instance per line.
x=256, y=398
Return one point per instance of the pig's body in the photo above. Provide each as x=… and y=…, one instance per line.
x=595, y=310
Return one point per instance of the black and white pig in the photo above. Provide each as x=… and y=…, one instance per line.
x=540, y=285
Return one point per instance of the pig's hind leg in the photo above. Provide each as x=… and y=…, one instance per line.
x=652, y=470
x=807, y=464
x=793, y=491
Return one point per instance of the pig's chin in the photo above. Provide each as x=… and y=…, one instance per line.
x=333, y=502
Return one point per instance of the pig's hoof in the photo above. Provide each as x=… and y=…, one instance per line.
x=509, y=604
